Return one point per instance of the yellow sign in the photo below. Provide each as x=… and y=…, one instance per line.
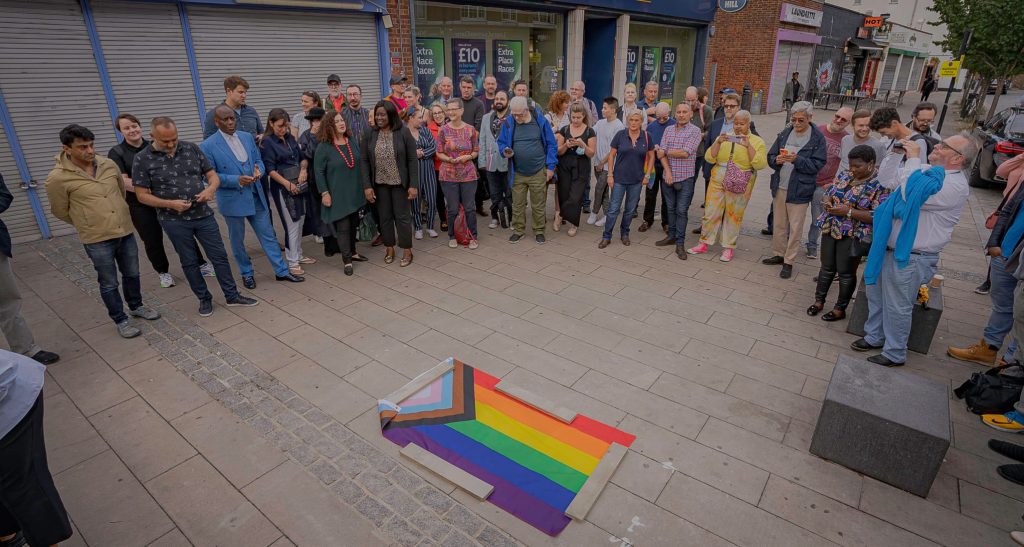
x=949, y=68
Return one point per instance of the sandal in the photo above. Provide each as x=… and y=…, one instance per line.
x=815, y=309
x=389, y=257
x=406, y=260
x=834, y=315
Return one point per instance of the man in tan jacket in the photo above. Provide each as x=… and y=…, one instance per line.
x=87, y=191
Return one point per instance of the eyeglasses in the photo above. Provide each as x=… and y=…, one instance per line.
x=731, y=106
x=946, y=145
x=842, y=119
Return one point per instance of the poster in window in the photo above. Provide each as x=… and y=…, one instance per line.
x=468, y=59
x=632, y=52
x=649, y=65
x=429, y=64
x=667, y=78
x=508, y=62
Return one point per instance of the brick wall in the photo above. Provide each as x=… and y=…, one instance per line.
x=744, y=45
x=400, y=38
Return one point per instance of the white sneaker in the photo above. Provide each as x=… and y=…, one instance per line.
x=592, y=218
x=431, y=233
x=601, y=221
x=452, y=243
x=419, y=234
x=318, y=239
x=473, y=244
x=207, y=270
x=166, y=280
x=493, y=224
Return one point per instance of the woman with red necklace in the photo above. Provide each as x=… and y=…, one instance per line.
x=336, y=169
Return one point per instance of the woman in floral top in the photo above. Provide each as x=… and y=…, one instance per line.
x=845, y=225
x=458, y=145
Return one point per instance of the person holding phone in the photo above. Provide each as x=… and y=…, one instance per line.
x=577, y=144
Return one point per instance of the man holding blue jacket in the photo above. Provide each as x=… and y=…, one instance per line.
x=240, y=197
x=529, y=143
x=796, y=157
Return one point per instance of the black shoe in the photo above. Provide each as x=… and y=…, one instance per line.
x=286, y=277
x=681, y=252
x=249, y=282
x=514, y=238
x=884, y=361
x=46, y=357
x=983, y=288
x=17, y=541
x=205, y=308
x=695, y=231
x=787, y=271
x=766, y=232
x=861, y=344
x=644, y=226
x=348, y=269
x=242, y=301
x=586, y=209
x=774, y=261
x=665, y=241
x=540, y=239
x=480, y=211
x=1013, y=472
x=1010, y=450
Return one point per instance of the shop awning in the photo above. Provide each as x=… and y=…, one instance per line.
x=866, y=45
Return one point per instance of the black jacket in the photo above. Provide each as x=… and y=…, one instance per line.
x=809, y=160
x=1007, y=213
x=5, y=201
x=405, y=153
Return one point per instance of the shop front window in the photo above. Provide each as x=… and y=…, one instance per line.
x=454, y=40
x=661, y=54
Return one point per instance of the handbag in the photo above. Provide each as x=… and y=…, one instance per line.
x=291, y=173
x=367, y=228
x=859, y=249
x=462, y=233
x=991, y=392
x=993, y=218
x=735, y=180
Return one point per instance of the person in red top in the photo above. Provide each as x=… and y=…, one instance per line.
x=335, y=98
x=834, y=132
x=398, y=84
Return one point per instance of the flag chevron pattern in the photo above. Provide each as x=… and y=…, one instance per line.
x=535, y=462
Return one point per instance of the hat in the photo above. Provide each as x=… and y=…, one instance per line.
x=727, y=90
x=315, y=113
x=334, y=78
x=398, y=79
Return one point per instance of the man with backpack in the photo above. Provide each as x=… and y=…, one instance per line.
x=529, y=143
x=887, y=122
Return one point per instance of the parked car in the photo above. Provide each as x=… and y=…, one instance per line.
x=993, y=86
x=1001, y=138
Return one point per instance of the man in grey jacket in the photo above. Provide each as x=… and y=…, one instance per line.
x=493, y=163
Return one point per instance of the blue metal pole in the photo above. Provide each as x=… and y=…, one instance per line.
x=101, y=64
x=26, y=175
x=193, y=66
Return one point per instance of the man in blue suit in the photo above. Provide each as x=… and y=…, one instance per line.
x=240, y=196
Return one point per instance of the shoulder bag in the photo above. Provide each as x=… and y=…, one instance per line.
x=736, y=179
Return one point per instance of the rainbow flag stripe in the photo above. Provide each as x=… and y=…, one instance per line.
x=535, y=462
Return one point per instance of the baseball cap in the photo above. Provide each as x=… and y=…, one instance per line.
x=334, y=78
x=315, y=113
x=398, y=79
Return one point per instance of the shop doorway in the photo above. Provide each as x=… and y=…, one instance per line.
x=598, y=57
x=790, y=57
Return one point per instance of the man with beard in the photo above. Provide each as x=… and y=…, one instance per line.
x=494, y=164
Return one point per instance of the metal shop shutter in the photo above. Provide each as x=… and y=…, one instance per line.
x=903, y=79
x=914, y=83
x=20, y=221
x=147, y=63
x=888, y=73
x=283, y=53
x=780, y=75
x=49, y=79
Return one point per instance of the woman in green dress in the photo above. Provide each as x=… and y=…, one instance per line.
x=336, y=169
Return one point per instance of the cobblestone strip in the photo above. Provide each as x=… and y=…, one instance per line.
x=403, y=506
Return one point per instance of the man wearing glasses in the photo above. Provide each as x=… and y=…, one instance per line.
x=921, y=121
x=835, y=132
x=529, y=143
x=891, y=299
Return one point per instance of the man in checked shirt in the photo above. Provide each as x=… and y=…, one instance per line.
x=677, y=153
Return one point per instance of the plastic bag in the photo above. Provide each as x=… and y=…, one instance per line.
x=462, y=234
x=367, y=228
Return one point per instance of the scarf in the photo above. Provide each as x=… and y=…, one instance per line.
x=903, y=204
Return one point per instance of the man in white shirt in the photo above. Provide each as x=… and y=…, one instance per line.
x=606, y=129
x=861, y=135
x=891, y=300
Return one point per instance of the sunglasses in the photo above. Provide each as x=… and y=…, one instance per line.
x=842, y=119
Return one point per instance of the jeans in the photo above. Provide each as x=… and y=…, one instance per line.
x=678, y=197
x=891, y=303
x=183, y=235
x=835, y=258
x=12, y=324
x=264, y=231
x=1018, y=326
x=536, y=186
x=814, y=233
x=460, y=193
x=631, y=193
x=1002, y=293
x=501, y=194
x=120, y=253
x=651, y=198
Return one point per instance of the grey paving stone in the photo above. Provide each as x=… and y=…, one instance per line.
x=213, y=387
x=434, y=499
x=289, y=420
x=317, y=417
x=352, y=464
x=244, y=410
x=308, y=433
x=298, y=404
x=348, y=490
x=457, y=539
x=401, y=531
x=464, y=519
x=400, y=501
x=374, y=482
x=302, y=453
x=427, y=521
x=406, y=479
x=262, y=425
x=339, y=432
x=324, y=471
x=493, y=537
x=373, y=510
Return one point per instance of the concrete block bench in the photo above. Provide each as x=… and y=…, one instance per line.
x=889, y=424
x=923, y=325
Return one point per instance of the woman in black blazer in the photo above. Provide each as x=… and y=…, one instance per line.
x=390, y=178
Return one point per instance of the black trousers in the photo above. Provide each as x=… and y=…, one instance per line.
x=835, y=258
x=482, y=190
x=151, y=234
x=345, y=236
x=651, y=198
x=442, y=210
x=29, y=501
x=395, y=215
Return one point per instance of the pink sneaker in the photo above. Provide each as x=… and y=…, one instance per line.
x=698, y=250
x=726, y=255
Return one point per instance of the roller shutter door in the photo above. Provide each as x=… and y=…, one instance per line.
x=48, y=77
x=903, y=79
x=283, y=53
x=888, y=73
x=147, y=63
x=20, y=221
x=915, y=74
x=790, y=57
